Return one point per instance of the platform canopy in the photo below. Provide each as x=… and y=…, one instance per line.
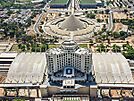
x=27, y=68
x=111, y=68
x=72, y=24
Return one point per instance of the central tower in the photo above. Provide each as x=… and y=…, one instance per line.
x=69, y=61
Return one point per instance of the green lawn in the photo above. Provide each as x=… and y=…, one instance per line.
x=53, y=46
x=15, y=48
x=87, y=1
x=18, y=100
x=83, y=45
x=59, y=1
x=23, y=0
x=56, y=46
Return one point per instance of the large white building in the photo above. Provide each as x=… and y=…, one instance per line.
x=69, y=54
x=69, y=61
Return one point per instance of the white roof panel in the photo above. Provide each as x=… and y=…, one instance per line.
x=8, y=54
x=111, y=68
x=27, y=68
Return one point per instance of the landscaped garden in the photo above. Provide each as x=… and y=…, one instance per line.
x=87, y=1
x=59, y=1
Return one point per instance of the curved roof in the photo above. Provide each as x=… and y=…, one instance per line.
x=27, y=68
x=72, y=24
x=111, y=68
x=69, y=44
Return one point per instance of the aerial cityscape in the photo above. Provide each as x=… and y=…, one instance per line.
x=66, y=50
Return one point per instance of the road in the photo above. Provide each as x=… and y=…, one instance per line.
x=110, y=21
x=71, y=7
x=36, y=30
x=77, y=6
x=74, y=7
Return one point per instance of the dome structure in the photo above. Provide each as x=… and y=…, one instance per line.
x=72, y=24
x=69, y=45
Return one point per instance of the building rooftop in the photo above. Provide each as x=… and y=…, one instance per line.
x=8, y=55
x=69, y=45
x=69, y=82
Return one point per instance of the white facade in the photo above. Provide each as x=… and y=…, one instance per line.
x=69, y=54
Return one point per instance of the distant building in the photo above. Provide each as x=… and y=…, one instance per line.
x=59, y=3
x=85, y=4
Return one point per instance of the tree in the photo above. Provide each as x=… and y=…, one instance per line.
x=66, y=14
x=95, y=11
x=101, y=48
x=116, y=48
x=125, y=10
x=98, y=20
x=106, y=21
x=9, y=12
x=116, y=34
x=123, y=33
x=129, y=54
x=59, y=14
x=18, y=99
x=107, y=11
x=23, y=48
x=91, y=16
x=128, y=51
x=43, y=47
x=86, y=12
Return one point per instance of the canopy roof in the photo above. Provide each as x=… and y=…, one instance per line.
x=111, y=68
x=27, y=68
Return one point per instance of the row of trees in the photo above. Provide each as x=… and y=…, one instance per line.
x=129, y=22
x=36, y=47
x=35, y=44
x=126, y=49
x=90, y=15
x=106, y=48
x=17, y=99
x=97, y=12
x=120, y=34
x=106, y=35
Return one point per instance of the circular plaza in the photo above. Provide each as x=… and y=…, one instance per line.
x=79, y=28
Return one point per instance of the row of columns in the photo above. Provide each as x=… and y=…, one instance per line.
x=17, y=91
x=121, y=91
